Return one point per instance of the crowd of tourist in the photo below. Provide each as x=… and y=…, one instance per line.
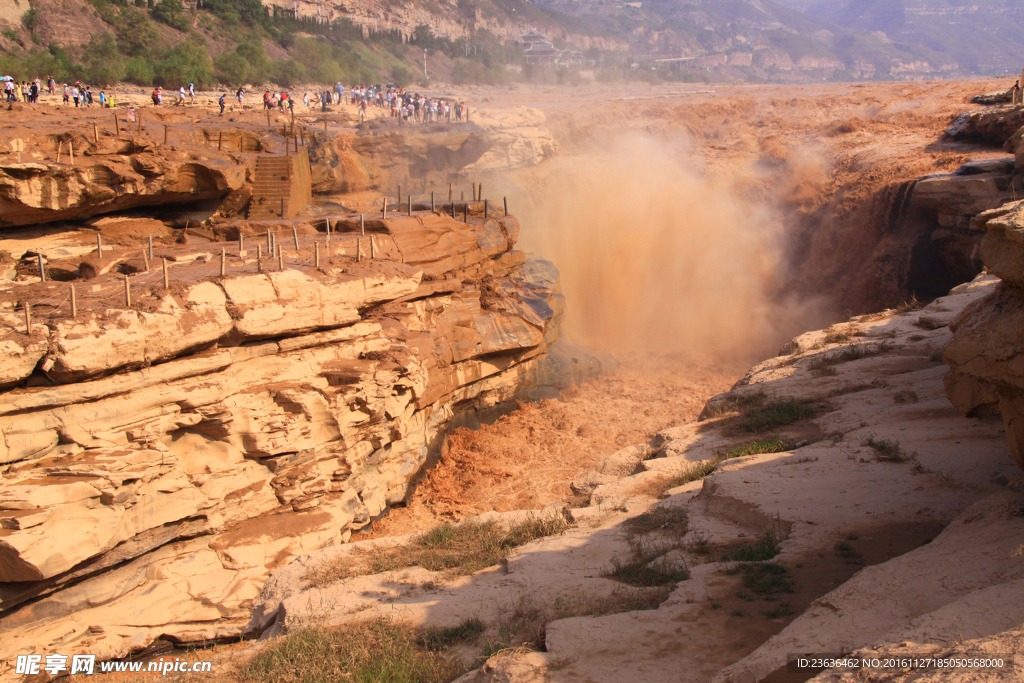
x=77, y=94
x=410, y=107
x=407, y=106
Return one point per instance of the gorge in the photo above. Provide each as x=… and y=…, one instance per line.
x=205, y=438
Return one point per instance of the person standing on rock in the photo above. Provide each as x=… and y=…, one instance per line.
x=223, y=96
x=192, y=93
x=51, y=84
x=1016, y=94
x=75, y=94
x=239, y=93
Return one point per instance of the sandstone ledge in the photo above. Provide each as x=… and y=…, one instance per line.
x=194, y=442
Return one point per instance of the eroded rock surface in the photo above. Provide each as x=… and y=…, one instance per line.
x=986, y=354
x=876, y=379
x=46, y=192
x=994, y=125
x=173, y=453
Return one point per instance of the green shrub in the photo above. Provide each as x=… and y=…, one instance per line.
x=439, y=639
x=401, y=76
x=256, y=58
x=231, y=69
x=186, y=62
x=30, y=19
x=317, y=59
x=105, y=65
x=138, y=70
x=757, y=448
x=650, y=565
x=136, y=34
x=767, y=579
x=287, y=72
x=764, y=548
x=172, y=13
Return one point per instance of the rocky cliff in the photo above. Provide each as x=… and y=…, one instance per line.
x=161, y=458
x=49, y=171
x=986, y=353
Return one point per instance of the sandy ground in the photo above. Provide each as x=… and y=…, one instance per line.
x=526, y=460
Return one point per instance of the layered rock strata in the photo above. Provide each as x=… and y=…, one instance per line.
x=33, y=192
x=986, y=354
x=160, y=459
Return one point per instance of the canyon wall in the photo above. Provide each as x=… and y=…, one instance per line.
x=986, y=354
x=159, y=459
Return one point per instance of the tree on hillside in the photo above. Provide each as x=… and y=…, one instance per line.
x=172, y=13
x=187, y=62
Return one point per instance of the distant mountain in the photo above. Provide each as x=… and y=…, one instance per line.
x=979, y=36
x=816, y=39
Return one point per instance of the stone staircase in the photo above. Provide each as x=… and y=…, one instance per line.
x=282, y=186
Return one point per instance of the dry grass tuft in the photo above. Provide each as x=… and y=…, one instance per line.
x=456, y=549
x=705, y=468
x=670, y=519
x=650, y=565
x=773, y=413
x=824, y=364
x=888, y=450
x=368, y=652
